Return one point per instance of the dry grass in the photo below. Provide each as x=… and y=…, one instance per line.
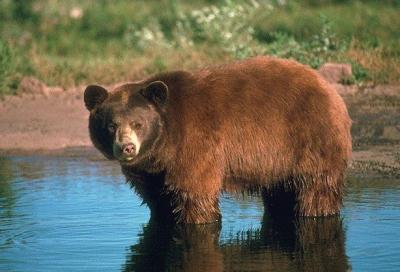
x=111, y=69
x=381, y=62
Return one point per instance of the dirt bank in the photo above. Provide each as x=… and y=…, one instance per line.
x=36, y=121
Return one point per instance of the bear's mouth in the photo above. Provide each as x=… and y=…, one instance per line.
x=127, y=160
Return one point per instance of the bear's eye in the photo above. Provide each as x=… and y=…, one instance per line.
x=111, y=127
x=137, y=125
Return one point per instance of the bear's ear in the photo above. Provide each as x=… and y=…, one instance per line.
x=156, y=92
x=94, y=95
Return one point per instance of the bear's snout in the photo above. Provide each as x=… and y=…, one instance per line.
x=128, y=149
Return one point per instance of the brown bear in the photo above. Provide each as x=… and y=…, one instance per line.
x=263, y=125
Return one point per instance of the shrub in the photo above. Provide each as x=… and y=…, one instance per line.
x=226, y=26
x=314, y=52
x=7, y=69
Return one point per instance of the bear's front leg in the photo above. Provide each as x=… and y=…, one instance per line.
x=151, y=188
x=194, y=194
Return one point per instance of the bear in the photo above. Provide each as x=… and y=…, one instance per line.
x=263, y=125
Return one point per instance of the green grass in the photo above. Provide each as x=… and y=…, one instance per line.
x=124, y=40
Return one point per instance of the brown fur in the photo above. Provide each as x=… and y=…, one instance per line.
x=262, y=124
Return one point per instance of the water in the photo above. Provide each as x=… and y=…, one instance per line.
x=76, y=213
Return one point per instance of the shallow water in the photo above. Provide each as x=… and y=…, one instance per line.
x=78, y=214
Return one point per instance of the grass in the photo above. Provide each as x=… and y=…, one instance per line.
x=74, y=42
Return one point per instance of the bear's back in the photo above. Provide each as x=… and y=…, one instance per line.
x=261, y=116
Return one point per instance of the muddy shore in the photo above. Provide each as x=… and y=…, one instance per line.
x=30, y=122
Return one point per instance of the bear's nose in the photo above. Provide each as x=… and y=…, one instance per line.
x=128, y=149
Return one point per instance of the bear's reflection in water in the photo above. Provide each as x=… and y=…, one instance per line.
x=290, y=244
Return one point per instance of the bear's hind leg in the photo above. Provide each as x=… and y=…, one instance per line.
x=306, y=196
x=319, y=196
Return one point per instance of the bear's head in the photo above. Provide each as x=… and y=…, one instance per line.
x=126, y=124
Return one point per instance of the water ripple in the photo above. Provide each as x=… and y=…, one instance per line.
x=74, y=214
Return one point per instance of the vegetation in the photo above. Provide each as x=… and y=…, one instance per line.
x=76, y=42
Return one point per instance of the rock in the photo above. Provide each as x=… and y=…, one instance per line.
x=391, y=133
x=31, y=85
x=336, y=72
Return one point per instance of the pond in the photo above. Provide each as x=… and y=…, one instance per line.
x=76, y=213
